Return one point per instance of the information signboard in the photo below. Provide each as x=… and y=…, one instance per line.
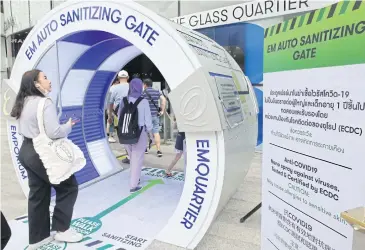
x=230, y=100
x=314, y=122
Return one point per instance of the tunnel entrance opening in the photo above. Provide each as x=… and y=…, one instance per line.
x=143, y=68
x=80, y=88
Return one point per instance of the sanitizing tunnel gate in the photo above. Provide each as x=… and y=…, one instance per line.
x=82, y=45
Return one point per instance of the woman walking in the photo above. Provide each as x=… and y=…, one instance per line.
x=136, y=151
x=35, y=86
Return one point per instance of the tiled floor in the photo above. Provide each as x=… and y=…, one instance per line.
x=225, y=233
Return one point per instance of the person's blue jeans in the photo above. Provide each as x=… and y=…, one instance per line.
x=155, y=124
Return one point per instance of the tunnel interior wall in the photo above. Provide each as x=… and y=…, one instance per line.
x=80, y=81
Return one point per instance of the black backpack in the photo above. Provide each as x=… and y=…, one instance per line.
x=128, y=129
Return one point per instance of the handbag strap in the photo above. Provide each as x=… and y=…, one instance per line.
x=40, y=117
x=149, y=96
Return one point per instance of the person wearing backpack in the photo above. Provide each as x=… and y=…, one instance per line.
x=134, y=126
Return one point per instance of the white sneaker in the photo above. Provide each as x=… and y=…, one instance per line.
x=41, y=243
x=112, y=140
x=68, y=236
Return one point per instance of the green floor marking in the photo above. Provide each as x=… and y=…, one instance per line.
x=89, y=225
x=85, y=239
x=130, y=197
x=105, y=247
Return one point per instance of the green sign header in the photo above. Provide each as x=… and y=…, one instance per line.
x=331, y=36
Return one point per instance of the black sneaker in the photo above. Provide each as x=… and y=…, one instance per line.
x=159, y=153
x=146, y=152
x=126, y=161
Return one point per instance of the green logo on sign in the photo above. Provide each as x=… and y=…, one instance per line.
x=87, y=225
x=52, y=246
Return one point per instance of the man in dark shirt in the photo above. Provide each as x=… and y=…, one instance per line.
x=153, y=96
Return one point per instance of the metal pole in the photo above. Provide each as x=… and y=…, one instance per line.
x=164, y=129
x=248, y=215
x=178, y=8
x=30, y=22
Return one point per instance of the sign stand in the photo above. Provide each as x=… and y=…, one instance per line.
x=248, y=215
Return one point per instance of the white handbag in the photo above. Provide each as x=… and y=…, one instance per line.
x=61, y=157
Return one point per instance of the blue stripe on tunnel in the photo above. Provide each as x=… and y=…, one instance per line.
x=89, y=37
x=96, y=55
x=94, y=105
x=77, y=136
x=91, y=127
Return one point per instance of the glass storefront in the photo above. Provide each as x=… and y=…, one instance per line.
x=16, y=41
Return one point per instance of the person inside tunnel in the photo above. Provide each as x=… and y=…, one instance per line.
x=154, y=96
x=134, y=110
x=117, y=92
x=143, y=68
x=180, y=147
x=110, y=126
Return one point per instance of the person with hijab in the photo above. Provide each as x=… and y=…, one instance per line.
x=136, y=151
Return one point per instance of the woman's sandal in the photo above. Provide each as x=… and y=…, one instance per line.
x=168, y=174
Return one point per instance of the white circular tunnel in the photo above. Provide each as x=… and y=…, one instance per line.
x=81, y=45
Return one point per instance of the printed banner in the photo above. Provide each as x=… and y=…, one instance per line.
x=330, y=36
x=314, y=123
x=15, y=140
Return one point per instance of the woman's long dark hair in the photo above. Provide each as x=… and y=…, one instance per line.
x=27, y=88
